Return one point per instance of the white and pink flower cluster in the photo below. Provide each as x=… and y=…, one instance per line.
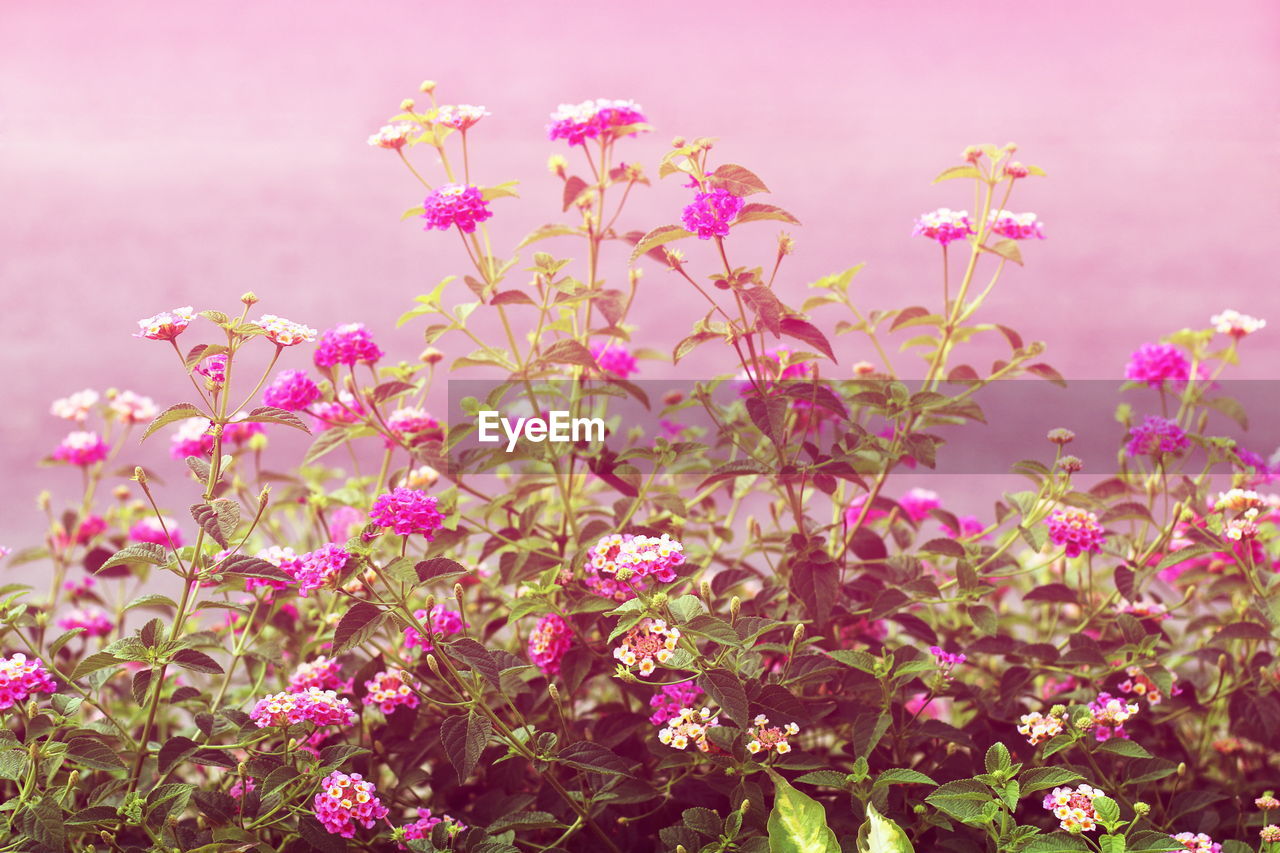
x=766, y=738
x=689, y=727
x=391, y=689
x=313, y=705
x=1073, y=807
x=21, y=678
x=620, y=563
x=346, y=800
x=647, y=645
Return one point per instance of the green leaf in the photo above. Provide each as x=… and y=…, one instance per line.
x=903, y=776
x=965, y=171
x=1150, y=841
x=798, y=823
x=1107, y=810
x=726, y=690
x=878, y=834
x=173, y=414
x=1039, y=778
x=142, y=552
x=197, y=661
x=585, y=755
x=93, y=753
x=657, y=237
x=357, y=625
x=93, y=663
x=997, y=758
x=219, y=519
x=273, y=415
x=738, y=180
x=326, y=441
x=47, y=825
x=756, y=211
x=153, y=600
x=1112, y=843
x=1127, y=748
x=962, y=799
x=1058, y=842
x=685, y=607
x=13, y=764
x=464, y=737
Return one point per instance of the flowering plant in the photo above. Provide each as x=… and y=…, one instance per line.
x=729, y=629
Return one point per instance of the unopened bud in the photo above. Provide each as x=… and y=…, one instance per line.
x=672, y=397
x=430, y=602
x=1070, y=464
x=972, y=154
x=121, y=492
x=745, y=807
x=863, y=368
x=678, y=142
x=704, y=589
x=1141, y=809
x=798, y=634
x=680, y=848
x=557, y=164
x=427, y=86
x=1061, y=436
x=431, y=355
x=407, y=105
x=1182, y=768
x=434, y=666
x=45, y=500
x=735, y=606
x=786, y=244
x=250, y=298
x=457, y=591
x=1016, y=170
x=1011, y=147
x=553, y=693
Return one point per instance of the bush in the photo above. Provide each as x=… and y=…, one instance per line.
x=710, y=621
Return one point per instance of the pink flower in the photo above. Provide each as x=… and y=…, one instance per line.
x=191, y=438
x=75, y=407
x=345, y=801
x=944, y=225
x=460, y=116
x=322, y=673
x=348, y=344
x=319, y=569
x=1015, y=226
x=392, y=136
x=689, y=726
x=214, y=370
x=79, y=589
x=82, y=448
x=855, y=510
x=1157, y=436
x=21, y=678
x=620, y=563
x=970, y=526
x=346, y=409
x=548, y=643
x=342, y=521
x=421, y=828
x=131, y=408
x=615, y=358
x=946, y=660
x=166, y=325
x=239, y=431
x=94, y=621
x=648, y=644
x=455, y=204
x=766, y=738
x=1077, y=529
x=313, y=705
x=599, y=119
x=439, y=621
x=710, y=213
x=283, y=558
x=1156, y=364
x=1197, y=842
x=1074, y=807
x=285, y=333
x=917, y=503
x=1235, y=324
x=1037, y=728
x=391, y=689
x=670, y=698
x=150, y=530
x=240, y=788
x=414, y=426
x=1109, y=716
x=406, y=512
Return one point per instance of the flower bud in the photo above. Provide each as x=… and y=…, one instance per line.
x=1070, y=464
x=431, y=355
x=798, y=634
x=553, y=693
x=735, y=607
x=864, y=368
x=121, y=492
x=786, y=244
x=140, y=475
x=433, y=665
x=457, y=591
x=1011, y=147
x=972, y=154
x=672, y=397
x=427, y=86
x=407, y=105
x=1016, y=170
x=430, y=602
x=557, y=164
x=745, y=807
x=1061, y=436
x=1141, y=809
x=250, y=298
x=678, y=142
x=45, y=500
x=704, y=590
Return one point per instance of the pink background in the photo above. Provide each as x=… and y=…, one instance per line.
x=163, y=154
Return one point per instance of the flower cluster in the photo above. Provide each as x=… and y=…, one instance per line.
x=346, y=800
x=548, y=643
x=131, y=408
x=670, y=698
x=292, y=390
x=455, y=204
x=1037, y=728
x=1073, y=807
x=1156, y=364
x=620, y=563
x=75, y=407
x=1235, y=324
x=319, y=569
x=689, y=726
x=1015, y=226
x=1197, y=842
x=392, y=136
x=944, y=225
x=421, y=828
x=1157, y=436
x=946, y=660
x=323, y=673
x=647, y=645
x=414, y=426
x=917, y=503
x=460, y=116
x=601, y=119
x=391, y=689
x=765, y=737
x=1076, y=529
x=440, y=621
x=313, y=705
x=349, y=344
x=94, y=621
x=285, y=333
x=191, y=438
x=166, y=325
x=82, y=448
x=710, y=213
x=344, y=409
x=614, y=357
x=1109, y=716
x=1140, y=684
x=153, y=530
x=406, y=512
x=21, y=678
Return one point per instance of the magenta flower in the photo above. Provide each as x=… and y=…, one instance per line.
x=345, y=522
x=413, y=426
x=345, y=801
x=322, y=673
x=94, y=621
x=1077, y=529
x=1156, y=364
x=346, y=409
x=421, y=828
x=599, y=119
x=1109, y=716
x=1073, y=807
x=214, y=370
x=285, y=333
x=242, y=787
x=391, y=689
x=349, y=344
x=710, y=213
x=131, y=408
x=313, y=705
x=21, y=678
x=1197, y=842
x=1015, y=226
x=455, y=204
x=670, y=698
x=946, y=660
x=1157, y=436
x=944, y=225
x=917, y=503
x=166, y=325
x=970, y=525
x=439, y=621
x=150, y=530
x=239, y=431
x=615, y=358
x=392, y=136
x=319, y=569
x=191, y=438
x=406, y=512
x=82, y=448
x=548, y=643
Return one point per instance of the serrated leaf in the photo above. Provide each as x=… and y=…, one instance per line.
x=93, y=663
x=755, y=211
x=726, y=690
x=173, y=414
x=356, y=625
x=1040, y=778
x=962, y=799
x=797, y=822
x=964, y=171
x=273, y=415
x=218, y=519
x=141, y=552
x=738, y=180
x=878, y=834
x=475, y=657
x=802, y=330
x=47, y=825
x=197, y=661
x=903, y=776
x=93, y=753
x=585, y=755
x=659, y=236
x=569, y=351
x=326, y=441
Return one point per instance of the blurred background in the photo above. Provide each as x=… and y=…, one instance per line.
x=157, y=155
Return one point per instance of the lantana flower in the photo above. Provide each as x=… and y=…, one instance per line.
x=94, y=621
x=459, y=116
x=319, y=569
x=1197, y=842
x=599, y=119
x=131, y=408
x=392, y=136
x=323, y=673
x=548, y=643
x=441, y=621
x=1073, y=807
x=291, y=390
x=21, y=678
x=1235, y=324
x=346, y=800
x=689, y=727
x=1156, y=364
x=191, y=438
x=1077, y=529
x=152, y=530
x=406, y=512
x=1037, y=727
x=1015, y=226
x=1157, y=436
x=765, y=737
x=455, y=204
x=1109, y=716
x=620, y=563
x=286, y=333
x=391, y=689
x=710, y=213
x=75, y=407
x=614, y=357
x=166, y=325
x=421, y=828
x=82, y=448
x=313, y=705
x=349, y=344
x=646, y=645
x=670, y=698
x=944, y=225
